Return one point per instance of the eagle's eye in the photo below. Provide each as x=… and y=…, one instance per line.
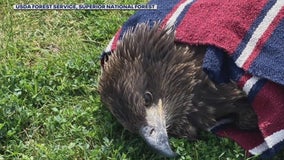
x=148, y=98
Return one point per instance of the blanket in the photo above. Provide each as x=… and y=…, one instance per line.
x=245, y=40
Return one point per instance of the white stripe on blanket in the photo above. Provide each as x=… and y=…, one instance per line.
x=270, y=142
x=250, y=83
x=108, y=48
x=174, y=17
x=260, y=30
x=259, y=149
x=275, y=138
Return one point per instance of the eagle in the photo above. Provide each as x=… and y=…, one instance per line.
x=156, y=87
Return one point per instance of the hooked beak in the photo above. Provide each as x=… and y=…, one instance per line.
x=157, y=138
x=155, y=133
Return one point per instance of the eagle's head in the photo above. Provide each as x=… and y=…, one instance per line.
x=147, y=84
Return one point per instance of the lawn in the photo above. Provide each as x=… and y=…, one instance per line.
x=49, y=104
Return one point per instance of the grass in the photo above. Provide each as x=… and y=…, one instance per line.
x=49, y=105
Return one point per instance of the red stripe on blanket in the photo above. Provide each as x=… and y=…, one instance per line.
x=242, y=81
x=264, y=39
x=269, y=104
x=222, y=36
x=116, y=37
x=246, y=139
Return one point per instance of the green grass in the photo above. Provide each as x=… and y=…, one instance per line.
x=49, y=105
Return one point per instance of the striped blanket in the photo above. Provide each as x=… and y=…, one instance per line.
x=245, y=40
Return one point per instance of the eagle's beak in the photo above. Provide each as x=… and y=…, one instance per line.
x=155, y=132
x=157, y=138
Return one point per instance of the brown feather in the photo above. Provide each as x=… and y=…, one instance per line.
x=148, y=59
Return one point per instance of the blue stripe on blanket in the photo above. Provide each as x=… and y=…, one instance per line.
x=272, y=151
x=255, y=89
x=220, y=67
x=272, y=56
x=150, y=16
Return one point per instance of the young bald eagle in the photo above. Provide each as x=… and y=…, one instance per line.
x=155, y=87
